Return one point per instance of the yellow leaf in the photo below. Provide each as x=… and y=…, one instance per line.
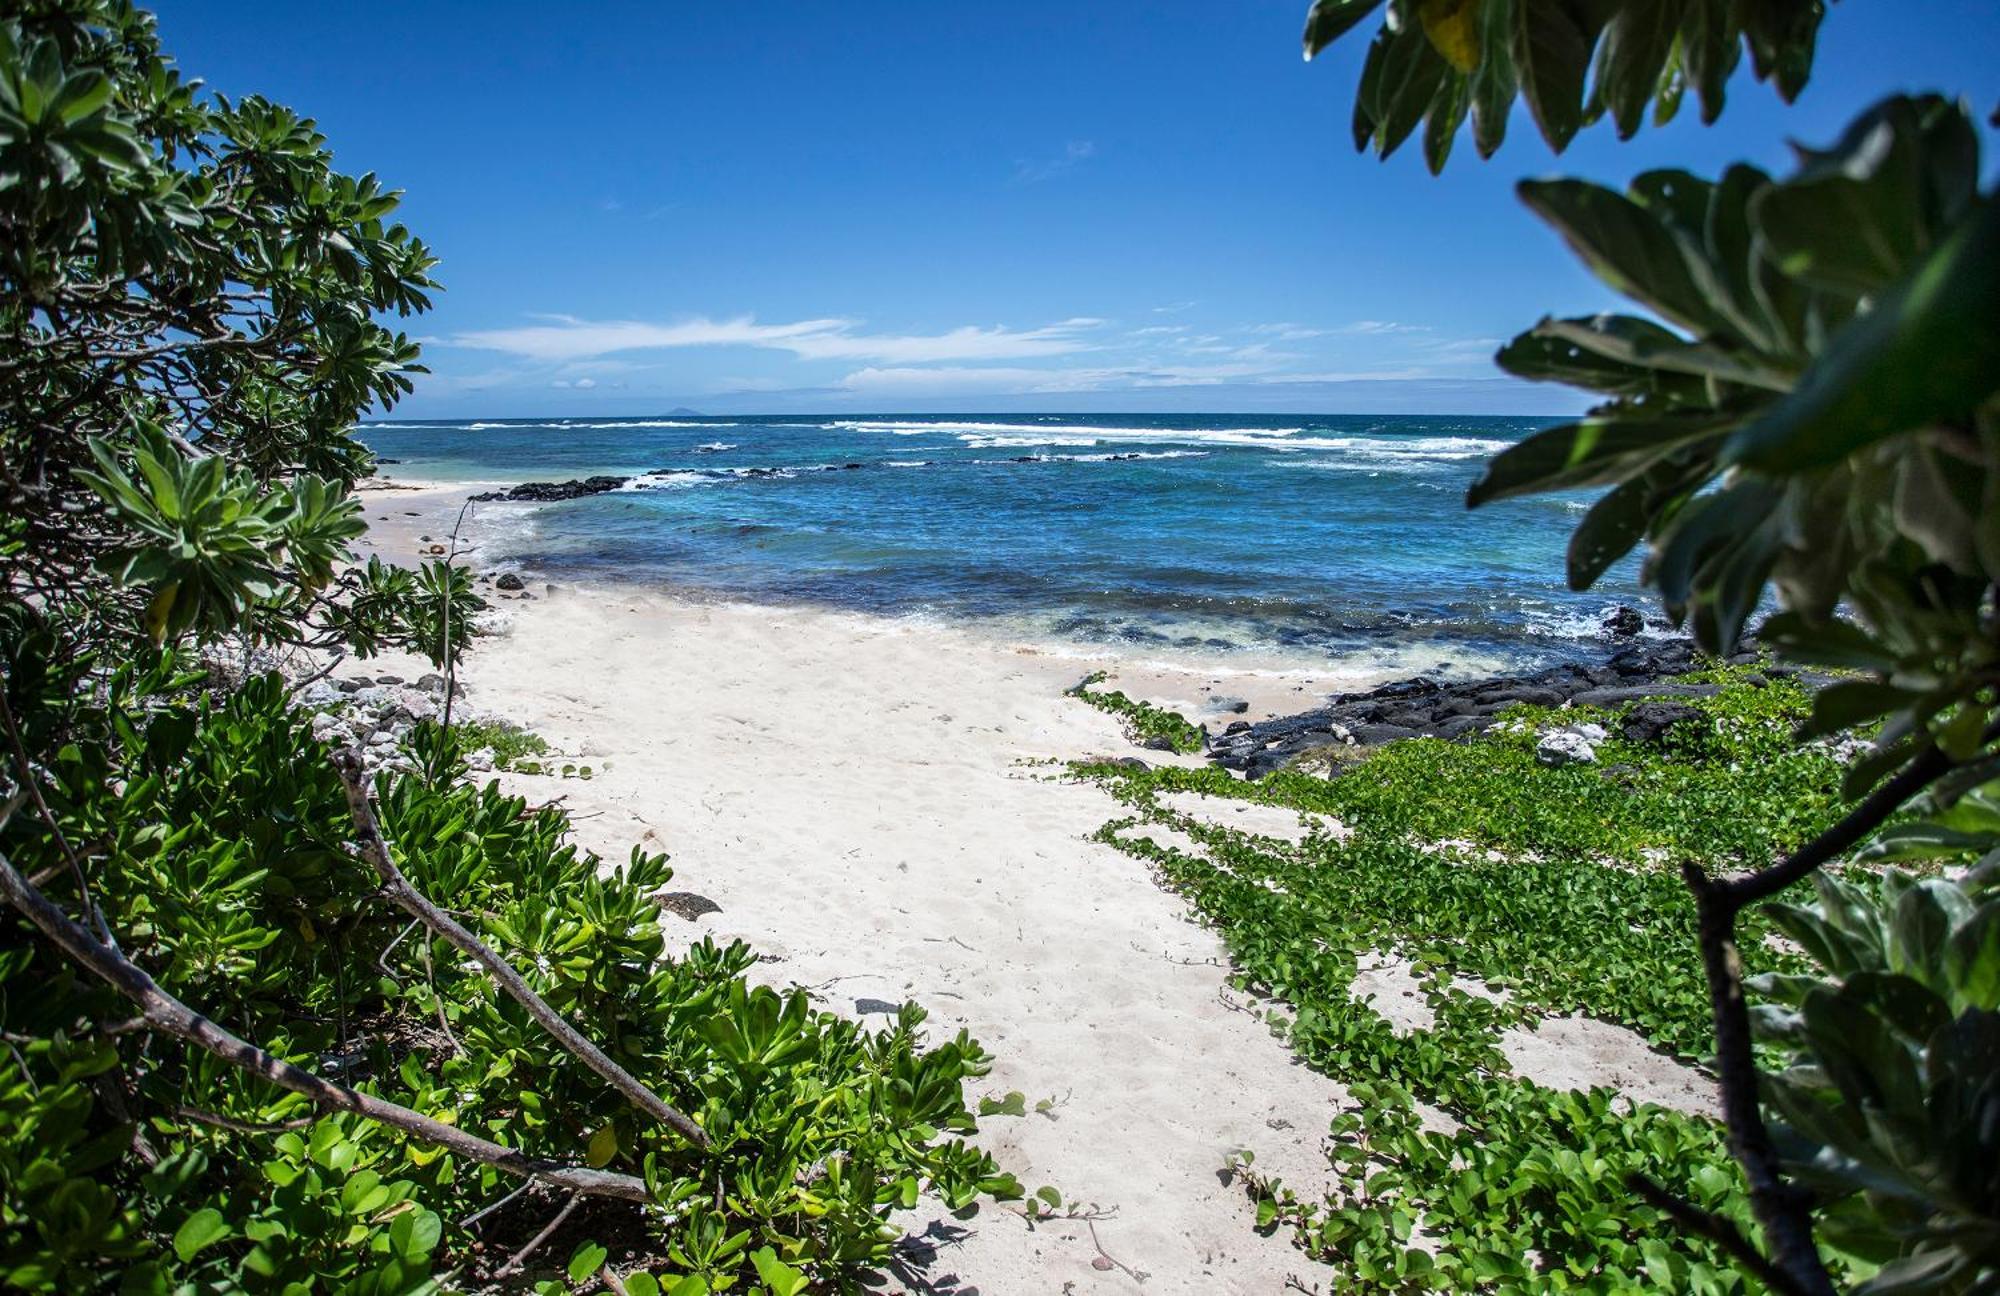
x=1453, y=28
x=603, y=1146
x=160, y=609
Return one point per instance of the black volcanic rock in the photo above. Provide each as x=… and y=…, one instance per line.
x=550, y=492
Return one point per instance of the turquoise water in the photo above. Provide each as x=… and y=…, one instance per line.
x=1316, y=538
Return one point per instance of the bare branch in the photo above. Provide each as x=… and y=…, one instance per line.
x=170, y=1016
x=513, y=1266
x=1784, y=1210
x=413, y=902
x=1718, y=1229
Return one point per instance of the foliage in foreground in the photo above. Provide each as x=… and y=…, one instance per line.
x=218, y=830
x=190, y=298
x=1811, y=405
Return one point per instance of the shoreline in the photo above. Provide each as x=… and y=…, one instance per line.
x=876, y=805
x=871, y=805
x=1208, y=685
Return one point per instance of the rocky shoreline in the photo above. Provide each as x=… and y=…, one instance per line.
x=1644, y=673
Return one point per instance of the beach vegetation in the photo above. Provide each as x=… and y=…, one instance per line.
x=1806, y=411
x=1512, y=892
x=513, y=746
x=273, y=1019
x=1146, y=724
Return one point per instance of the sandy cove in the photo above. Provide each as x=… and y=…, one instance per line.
x=874, y=804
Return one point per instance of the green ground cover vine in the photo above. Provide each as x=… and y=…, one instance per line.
x=1557, y=886
x=1148, y=725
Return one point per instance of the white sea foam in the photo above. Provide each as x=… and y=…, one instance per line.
x=715, y=447
x=640, y=423
x=978, y=442
x=666, y=481
x=984, y=436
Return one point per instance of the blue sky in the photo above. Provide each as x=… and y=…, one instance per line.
x=919, y=207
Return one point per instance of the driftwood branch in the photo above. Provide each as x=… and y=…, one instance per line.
x=413, y=902
x=168, y=1015
x=1783, y=1208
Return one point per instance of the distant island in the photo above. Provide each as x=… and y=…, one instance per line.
x=682, y=411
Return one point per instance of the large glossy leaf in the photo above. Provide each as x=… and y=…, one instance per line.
x=1929, y=353
x=1551, y=45
x=1328, y=20
x=1626, y=246
x=1634, y=51
x=1589, y=453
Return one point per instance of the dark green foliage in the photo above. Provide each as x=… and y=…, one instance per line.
x=1147, y=724
x=1815, y=412
x=1571, y=61
x=189, y=303
x=218, y=831
x=1890, y=1092
x=1554, y=885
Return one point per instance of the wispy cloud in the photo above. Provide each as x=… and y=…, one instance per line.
x=1035, y=170
x=566, y=338
x=1288, y=332
x=1375, y=327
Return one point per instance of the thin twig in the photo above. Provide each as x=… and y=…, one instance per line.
x=1716, y=1228
x=513, y=1266
x=170, y=1016
x=430, y=978
x=401, y=936
x=450, y=657
x=33, y=787
x=398, y=888
x=240, y=1126
x=484, y=1211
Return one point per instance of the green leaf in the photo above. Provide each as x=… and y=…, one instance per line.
x=202, y=1229
x=603, y=1147
x=1626, y=246
x=1328, y=20
x=1972, y=959
x=1552, y=40
x=1590, y=453
x=1636, y=44
x=586, y=1260
x=1929, y=353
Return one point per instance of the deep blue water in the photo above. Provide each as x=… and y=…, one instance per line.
x=1308, y=537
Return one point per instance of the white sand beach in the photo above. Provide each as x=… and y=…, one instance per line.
x=875, y=805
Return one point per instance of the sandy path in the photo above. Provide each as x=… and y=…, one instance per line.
x=854, y=795
x=861, y=798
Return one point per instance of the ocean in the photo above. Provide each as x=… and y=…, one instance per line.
x=1295, y=540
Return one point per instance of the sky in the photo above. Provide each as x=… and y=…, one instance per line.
x=795, y=206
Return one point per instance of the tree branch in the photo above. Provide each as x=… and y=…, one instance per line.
x=170, y=1016
x=413, y=902
x=1784, y=1210
x=1716, y=1228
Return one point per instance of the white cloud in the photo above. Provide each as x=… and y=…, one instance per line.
x=1288, y=332
x=566, y=338
x=1076, y=152
x=1026, y=379
x=579, y=384
x=1383, y=326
